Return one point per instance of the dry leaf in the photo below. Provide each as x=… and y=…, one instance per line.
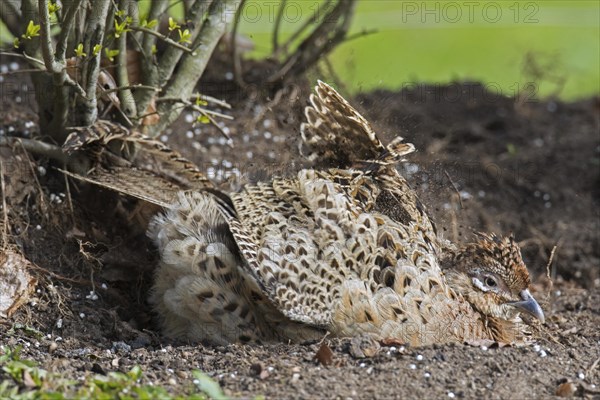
x=566, y=389
x=324, y=355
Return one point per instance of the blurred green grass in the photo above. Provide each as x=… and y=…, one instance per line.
x=440, y=42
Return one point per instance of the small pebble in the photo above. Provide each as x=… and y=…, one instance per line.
x=81, y=315
x=412, y=366
x=451, y=395
x=419, y=357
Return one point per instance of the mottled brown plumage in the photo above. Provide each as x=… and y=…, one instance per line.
x=346, y=248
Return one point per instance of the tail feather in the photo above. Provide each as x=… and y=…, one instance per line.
x=335, y=135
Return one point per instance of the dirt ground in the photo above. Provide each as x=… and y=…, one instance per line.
x=484, y=163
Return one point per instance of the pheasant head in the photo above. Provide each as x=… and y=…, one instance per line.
x=491, y=275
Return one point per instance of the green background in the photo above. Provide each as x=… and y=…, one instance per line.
x=496, y=42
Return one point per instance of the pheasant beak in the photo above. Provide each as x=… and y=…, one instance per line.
x=529, y=305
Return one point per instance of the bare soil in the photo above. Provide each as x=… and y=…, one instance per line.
x=485, y=163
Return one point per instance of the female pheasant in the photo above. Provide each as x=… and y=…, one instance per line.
x=345, y=248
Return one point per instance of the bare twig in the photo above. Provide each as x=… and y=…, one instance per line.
x=277, y=26
x=360, y=34
x=23, y=71
x=192, y=66
x=4, y=208
x=24, y=55
x=172, y=56
x=455, y=189
x=208, y=114
x=552, y=275
x=194, y=96
x=162, y=37
x=130, y=87
x=36, y=147
x=65, y=30
x=322, y=40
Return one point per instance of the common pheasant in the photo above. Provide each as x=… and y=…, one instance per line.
x=345, y=248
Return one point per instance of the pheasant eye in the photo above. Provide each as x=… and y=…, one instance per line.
x=490, y=282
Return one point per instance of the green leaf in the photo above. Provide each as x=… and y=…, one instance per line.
x=79, y=51
x=96, y=50
x=16, y=43
x=185, y=36
x=53, y=7
x=32, y=31
x=203, y=119
x=152, y=24
x=173, y=25
x=207, y=385
x=111, y=54
x=120, y=28
x=200, y=102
